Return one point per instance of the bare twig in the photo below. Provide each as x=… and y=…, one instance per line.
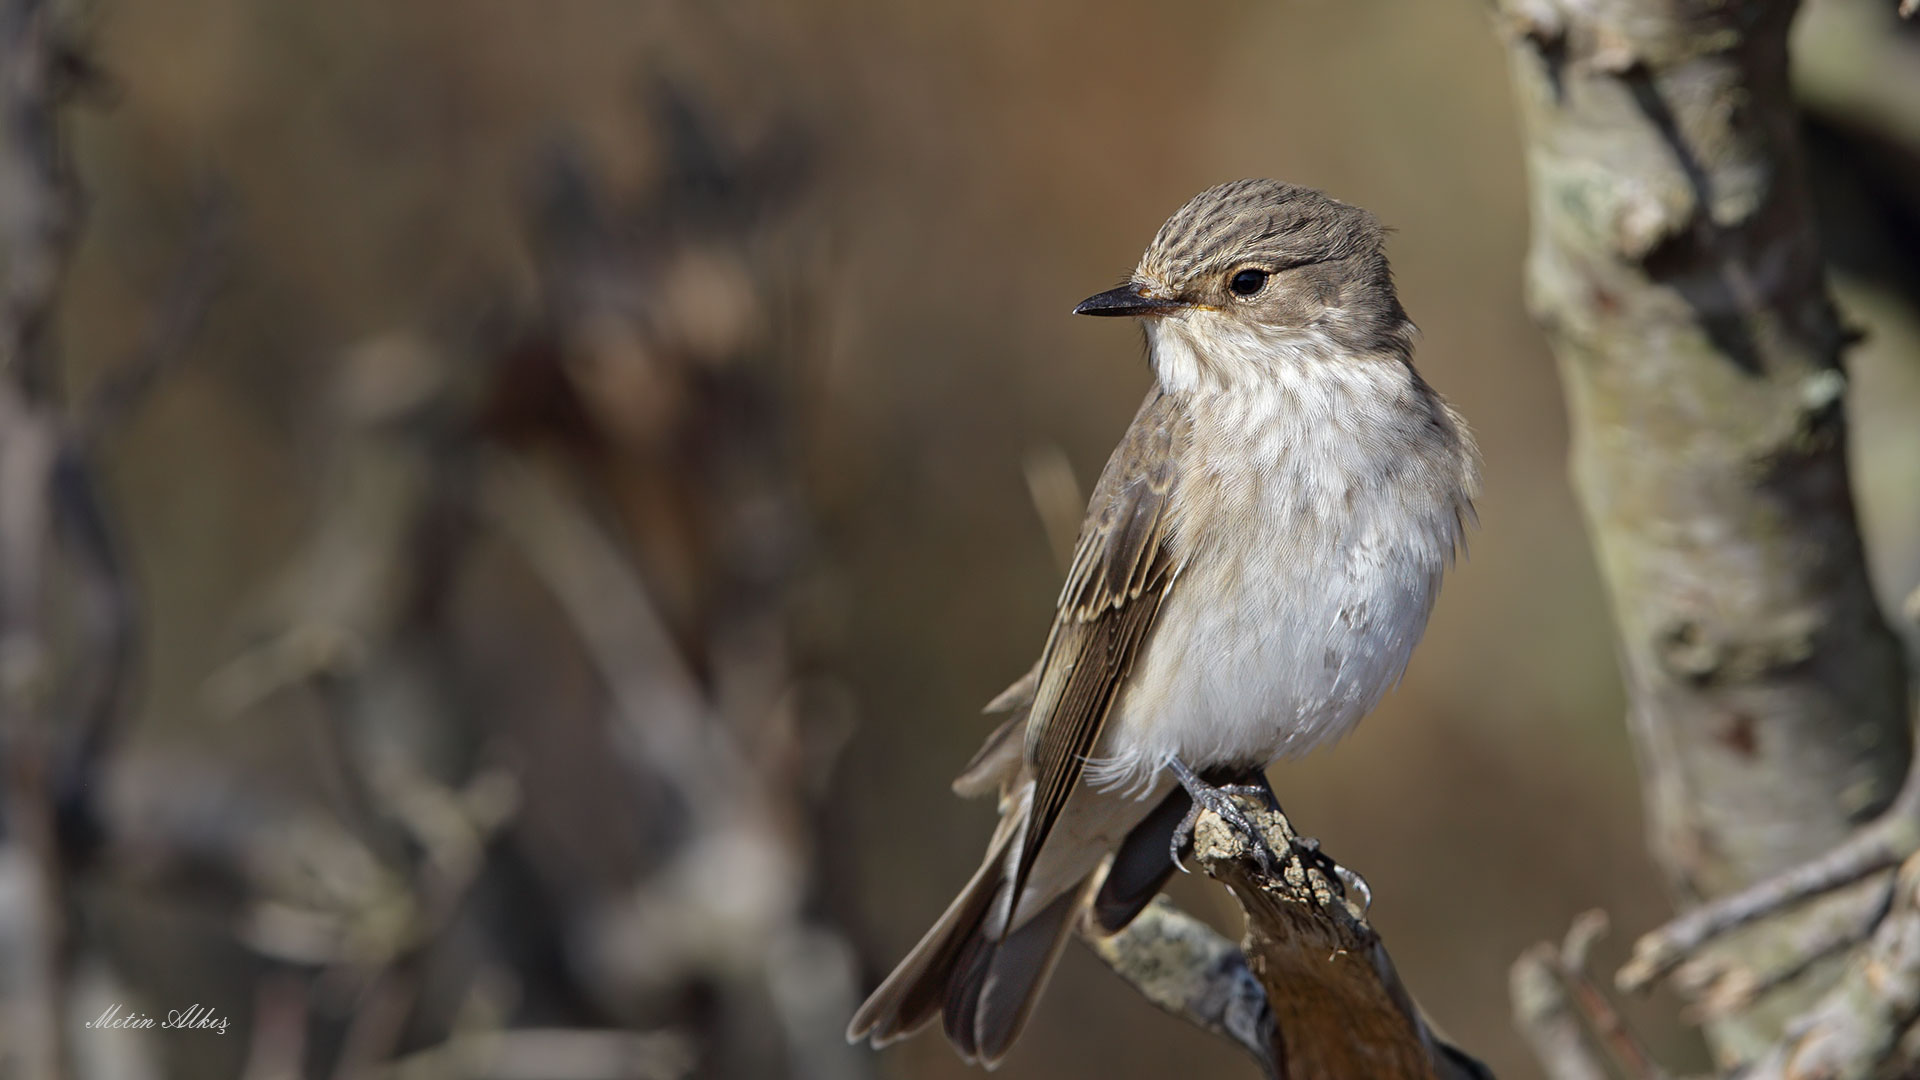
x=1724, y=982
x=1573, y=1028
x=1602, y=1017
x=1544, y=1011
x=1856, y=1031
x=1879, y=846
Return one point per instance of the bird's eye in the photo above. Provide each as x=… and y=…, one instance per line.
x=1248, y=282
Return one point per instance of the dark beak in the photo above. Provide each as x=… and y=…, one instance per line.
x=1126, y=300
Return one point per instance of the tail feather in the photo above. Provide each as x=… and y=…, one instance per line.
x=1141, y=865
x=914, y=993
x=983, y=964
x=962, y=998
x=1012, y=974
x=984, y=986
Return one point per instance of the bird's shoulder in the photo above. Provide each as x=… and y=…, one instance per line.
x=1119, y=559
x=1122, y=570
x=1125, y=530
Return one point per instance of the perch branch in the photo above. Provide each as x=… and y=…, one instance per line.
x=1334, y=1004
x=1186, y=968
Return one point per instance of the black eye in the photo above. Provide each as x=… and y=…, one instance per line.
x=1247, y=282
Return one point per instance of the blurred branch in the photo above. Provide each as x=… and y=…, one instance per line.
x=454, y=830
x=1568, y=1020
x=67, y=620
x=39, y=200
x=1856, y=1032
x=663, y=706
x=1677, y=273
x=732, y=893
x=646, y=486
x=42, y=197
x=105, y=609
x=1545, y=1012
x=1311, y=992
x=1724, y=982
x=1872, y=850
x=1057, y=498
x=195, y=282
x=34, y=933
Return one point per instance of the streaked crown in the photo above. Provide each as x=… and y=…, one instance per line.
x=1263, y=223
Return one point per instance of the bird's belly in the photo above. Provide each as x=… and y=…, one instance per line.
x=1274, y=650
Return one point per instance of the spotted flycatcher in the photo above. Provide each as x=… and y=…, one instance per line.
x=1257, y=562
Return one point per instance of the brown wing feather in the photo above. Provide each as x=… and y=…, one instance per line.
x=1121, y=572
x=996, y=765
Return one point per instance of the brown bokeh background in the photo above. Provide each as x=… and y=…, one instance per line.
x=978, y=168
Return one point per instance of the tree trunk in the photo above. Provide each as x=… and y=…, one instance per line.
x=1677, y=273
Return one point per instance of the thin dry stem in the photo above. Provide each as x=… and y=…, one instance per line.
x=1873, y=849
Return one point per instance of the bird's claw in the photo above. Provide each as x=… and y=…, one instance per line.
x=1352, y=884
x=1303, y=851
x=1221, y=801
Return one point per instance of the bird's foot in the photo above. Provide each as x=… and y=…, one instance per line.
x=1220, y=799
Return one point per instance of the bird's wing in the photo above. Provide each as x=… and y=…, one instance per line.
x=996, y=765
x=1121, y=572
x=1017, y=696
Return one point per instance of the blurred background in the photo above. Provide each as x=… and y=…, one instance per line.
x=585, y=378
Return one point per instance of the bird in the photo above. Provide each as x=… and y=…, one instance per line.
x=1258, y=559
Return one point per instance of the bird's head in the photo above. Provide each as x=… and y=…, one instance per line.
x=1256, y=274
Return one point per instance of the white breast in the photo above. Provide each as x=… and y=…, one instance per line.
x=1313, y=523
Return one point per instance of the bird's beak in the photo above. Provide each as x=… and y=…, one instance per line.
x=1128, y=299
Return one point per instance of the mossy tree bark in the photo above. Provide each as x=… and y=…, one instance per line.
x=1678, y=275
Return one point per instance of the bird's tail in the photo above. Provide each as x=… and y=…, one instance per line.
x=983, y=985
